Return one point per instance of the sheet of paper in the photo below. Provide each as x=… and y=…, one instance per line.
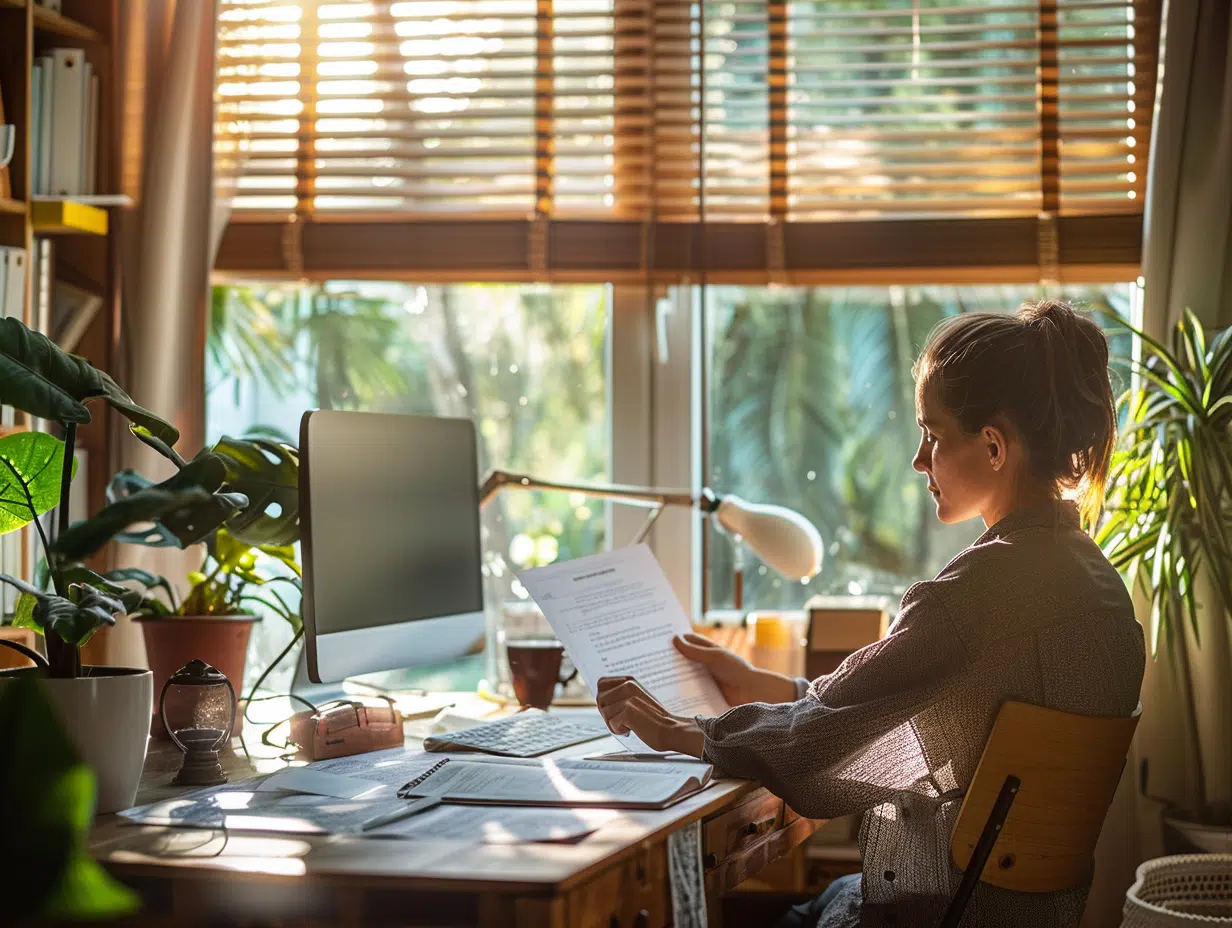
x=497, y=824
x=391, y=767
x=319, y=783
x=616, y=614
x=598, y=785
x=249, y=810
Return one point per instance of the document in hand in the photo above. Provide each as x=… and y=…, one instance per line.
x=561, y=782
x=616, y=614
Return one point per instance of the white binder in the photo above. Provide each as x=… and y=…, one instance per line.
x=47, y=80
x=13, y=299
x=68, y=116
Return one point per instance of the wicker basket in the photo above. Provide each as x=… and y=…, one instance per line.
x=1188, y=890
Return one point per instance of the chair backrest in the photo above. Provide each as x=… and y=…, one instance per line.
x=1069, y=767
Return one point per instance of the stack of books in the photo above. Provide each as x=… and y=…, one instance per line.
x=64, y=128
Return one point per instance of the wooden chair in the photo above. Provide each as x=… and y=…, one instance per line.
x=1037, y=802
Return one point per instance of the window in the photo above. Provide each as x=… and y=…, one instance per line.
x=811, y=405
x=527, y=363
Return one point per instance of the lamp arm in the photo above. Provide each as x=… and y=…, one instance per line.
x=646, y=496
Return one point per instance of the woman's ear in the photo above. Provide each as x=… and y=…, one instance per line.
x=996, y=445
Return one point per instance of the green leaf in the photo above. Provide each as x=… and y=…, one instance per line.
x=37, y=376
x=23, y=612
x=228, y=550
x=85, y=538
x=47, y=799
x=283, y=553
x=30, y=466
x=158, y=444
x=74, y=619
x=148, y=580
x=267, y=473
x=189, y=524
x=80, y=574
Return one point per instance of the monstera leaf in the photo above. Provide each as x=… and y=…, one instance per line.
x=267, y=473
x=157, y=502
x=37, y=376
x=30, y=466
x=185, y=525
x=47, y=798
x=73, y=618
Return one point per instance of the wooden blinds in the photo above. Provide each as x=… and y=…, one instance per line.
x=601, y=139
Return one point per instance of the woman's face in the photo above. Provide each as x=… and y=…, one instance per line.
x=961, y=476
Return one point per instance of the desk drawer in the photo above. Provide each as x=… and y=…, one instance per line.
x=729, y=832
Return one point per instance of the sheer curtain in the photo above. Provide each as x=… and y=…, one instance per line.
x=166, y=53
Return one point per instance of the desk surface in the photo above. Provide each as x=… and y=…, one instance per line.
x=419, y=863
x=615, y=876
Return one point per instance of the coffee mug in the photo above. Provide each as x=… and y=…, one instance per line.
x=534, y=665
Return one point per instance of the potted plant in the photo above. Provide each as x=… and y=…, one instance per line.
x=1169, y=517
x=214, y=620
x=105, y=710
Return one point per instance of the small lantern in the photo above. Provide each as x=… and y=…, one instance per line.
x=197, y=706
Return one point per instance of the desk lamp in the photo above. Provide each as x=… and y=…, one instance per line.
x=781, y=537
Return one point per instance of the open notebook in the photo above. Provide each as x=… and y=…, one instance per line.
x=561, y=782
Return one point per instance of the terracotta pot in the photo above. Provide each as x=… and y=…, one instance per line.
x=172, y=641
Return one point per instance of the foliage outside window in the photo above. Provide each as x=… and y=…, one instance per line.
x=527, y=363
x=811, y=404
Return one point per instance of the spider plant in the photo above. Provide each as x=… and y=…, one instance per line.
x=1168, y=519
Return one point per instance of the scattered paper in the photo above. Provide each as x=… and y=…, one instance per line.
x=250, y=810
x=320, y=783
x=616, y=614
x=392, y=767
x=498, y=825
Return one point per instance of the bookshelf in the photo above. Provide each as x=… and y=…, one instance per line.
x=84, y=246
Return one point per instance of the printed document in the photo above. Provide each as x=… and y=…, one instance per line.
x=616, y=614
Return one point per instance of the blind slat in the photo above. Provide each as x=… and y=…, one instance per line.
x=628, y=110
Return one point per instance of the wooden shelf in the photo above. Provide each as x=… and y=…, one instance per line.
x=67, y=217
x=48, y=21
x=12, y=206
x=15, y=4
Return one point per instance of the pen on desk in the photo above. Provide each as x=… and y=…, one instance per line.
x=412, y=808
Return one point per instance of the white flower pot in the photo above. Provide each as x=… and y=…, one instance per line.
x=107, y=716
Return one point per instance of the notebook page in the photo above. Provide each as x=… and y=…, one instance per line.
x=468, y=781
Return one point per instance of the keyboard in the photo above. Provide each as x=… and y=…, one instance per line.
x=523, y=735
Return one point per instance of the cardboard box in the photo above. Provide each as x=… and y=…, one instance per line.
x=840, y=626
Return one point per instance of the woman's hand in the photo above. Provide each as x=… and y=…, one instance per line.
x=739, y=681
x=626, y=707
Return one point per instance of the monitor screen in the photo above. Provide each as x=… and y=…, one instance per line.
x=390, y=513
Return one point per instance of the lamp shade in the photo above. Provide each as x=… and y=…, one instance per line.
x=782, y=538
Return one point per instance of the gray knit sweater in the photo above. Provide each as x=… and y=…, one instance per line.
x=1031, y=612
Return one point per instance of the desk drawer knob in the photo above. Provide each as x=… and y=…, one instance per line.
x=710, y=861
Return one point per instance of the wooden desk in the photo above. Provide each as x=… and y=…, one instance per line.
x=613, y=878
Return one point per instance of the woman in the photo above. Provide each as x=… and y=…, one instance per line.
x=1014, y=410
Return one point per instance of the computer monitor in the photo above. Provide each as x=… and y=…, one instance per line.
x=389, y=516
